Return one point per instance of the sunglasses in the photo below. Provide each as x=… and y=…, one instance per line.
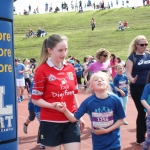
x=104, y=55
x=143, y=45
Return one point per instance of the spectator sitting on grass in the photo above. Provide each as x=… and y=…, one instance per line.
x=25, y=12
x=80, y=10
x=39, y=32
x=43, y=33
x=120, y=26
x=125, y=24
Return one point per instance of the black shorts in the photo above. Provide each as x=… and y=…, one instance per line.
x=54, y=134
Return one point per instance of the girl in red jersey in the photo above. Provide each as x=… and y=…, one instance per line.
x=55, y=83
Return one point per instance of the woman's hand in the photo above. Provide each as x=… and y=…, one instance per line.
x=82, y=124
x=134, y=79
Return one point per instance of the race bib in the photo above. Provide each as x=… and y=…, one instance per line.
x=102, y=119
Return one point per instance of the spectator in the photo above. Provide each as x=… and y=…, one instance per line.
x=120, y=26
x=25, y=12
x=43, y=33
x=80, y=10
x=125, y=25
x=34, y=11
x=56, y=9
x=46, y=7
x=76, y=6
x=29, y=8
x=39, y=32
x=37, y=9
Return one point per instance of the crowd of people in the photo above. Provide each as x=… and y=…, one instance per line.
x=79, y=6
x=55, y=83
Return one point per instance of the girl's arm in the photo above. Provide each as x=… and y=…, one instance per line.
x=99, y=130
x=145, y=104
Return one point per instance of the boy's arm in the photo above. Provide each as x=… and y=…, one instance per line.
x=117, y=124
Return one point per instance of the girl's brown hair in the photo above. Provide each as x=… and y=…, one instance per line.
x=50, y=42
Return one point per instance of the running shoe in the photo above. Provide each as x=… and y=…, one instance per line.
x=25, y=128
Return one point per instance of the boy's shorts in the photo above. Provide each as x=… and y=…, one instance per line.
x=20, y=82
x=54, y=134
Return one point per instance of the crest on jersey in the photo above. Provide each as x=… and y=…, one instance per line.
x=52, y=77
x=70, y=75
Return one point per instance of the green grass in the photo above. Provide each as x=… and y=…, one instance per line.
x=76, y=26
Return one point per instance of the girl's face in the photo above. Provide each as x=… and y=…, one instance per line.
x=25, y=62
x=119, y=70
x=99, y=82
x=59, y=52
x=141, y=46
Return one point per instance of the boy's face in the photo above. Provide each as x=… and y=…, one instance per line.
x=119, y=70
x=99, y=82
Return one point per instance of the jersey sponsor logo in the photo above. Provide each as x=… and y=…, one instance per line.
x=52, y=77
x=70, y=75
x=61, y=95
x=36, y=92
x=64, y=85
x=143, y=62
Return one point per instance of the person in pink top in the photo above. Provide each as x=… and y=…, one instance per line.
x=113, y=64
x=101, y=63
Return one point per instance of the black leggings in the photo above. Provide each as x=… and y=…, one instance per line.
x=28, y=84
x=136, y=93
x=79, y=79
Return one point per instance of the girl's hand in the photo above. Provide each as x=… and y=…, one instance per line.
x=59, y=106
x=134, y=79
x=82, y=125
x=122, y=93
x=99, y=131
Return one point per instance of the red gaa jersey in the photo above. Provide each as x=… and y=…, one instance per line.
x=54, y=85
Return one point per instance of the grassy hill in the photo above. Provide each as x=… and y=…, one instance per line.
x=76, y=26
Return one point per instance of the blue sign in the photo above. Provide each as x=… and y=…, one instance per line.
x=8, y=107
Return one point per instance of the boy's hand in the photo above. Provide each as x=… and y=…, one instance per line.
x=99, y=130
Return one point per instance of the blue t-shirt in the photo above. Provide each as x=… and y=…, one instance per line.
x=79, y=69
x=19, y=67
x=140, y=68
x=112, y=87
x=146, y=95
x=121, y=82
x=31, y=106
x=104, y=113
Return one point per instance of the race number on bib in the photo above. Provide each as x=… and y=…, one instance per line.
x=102, y=119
